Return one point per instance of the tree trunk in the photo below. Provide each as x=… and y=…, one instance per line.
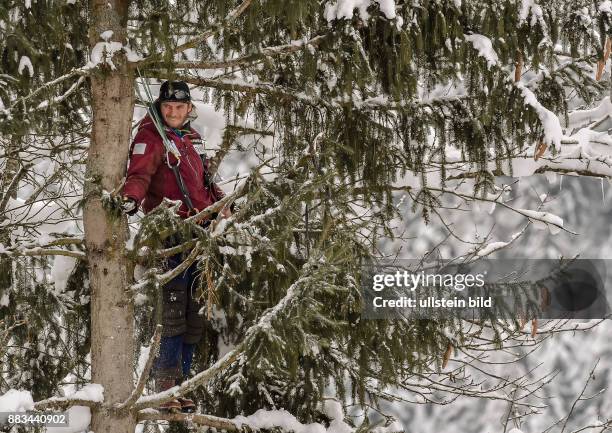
x=105, y=234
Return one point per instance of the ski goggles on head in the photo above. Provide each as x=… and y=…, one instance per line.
x=176, y=95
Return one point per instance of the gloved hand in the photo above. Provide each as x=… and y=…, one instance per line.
x=129, y=206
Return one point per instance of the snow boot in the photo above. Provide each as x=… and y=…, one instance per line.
x=187, y=405
x=171, y=405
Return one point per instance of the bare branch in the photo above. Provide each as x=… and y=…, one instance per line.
x=63, y=403
x=586, y=384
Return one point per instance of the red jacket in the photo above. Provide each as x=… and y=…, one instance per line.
x=150, y=180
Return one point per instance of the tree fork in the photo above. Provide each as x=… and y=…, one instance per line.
x=105, y=234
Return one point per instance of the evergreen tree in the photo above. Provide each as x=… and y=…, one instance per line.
x=363, y=100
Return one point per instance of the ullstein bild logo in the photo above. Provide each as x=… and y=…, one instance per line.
x=536, y=288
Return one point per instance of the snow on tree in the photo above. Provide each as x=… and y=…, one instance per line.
x=332, y=111
x=584, y=205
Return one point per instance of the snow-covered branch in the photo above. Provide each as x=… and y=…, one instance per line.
x=33, y=252
x=76, y=72
x=205, y=376
x=278, y=50
x=61, y=403
x=200, y=419
x=167, y=276
x=60, y=98
x=91, y=395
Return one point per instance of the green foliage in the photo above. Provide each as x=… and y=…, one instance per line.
x=53, y=337
x=351, y=114
x=53, y=35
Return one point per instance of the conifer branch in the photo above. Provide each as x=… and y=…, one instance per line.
x=33, y=252
x=167, y=252
x=206, y=213
x=594, y=166
x=231, y=17
x=254, y=57
x=226, y=201
x=44, y=185
x=10, y=189
x=47, y=85
x=230, y=357
x=231, y=133
x=170, y=274
x=191, y=384
x=228, y=20
x=475, y=197
x=256, y=88
x=60, y=98
x=374, y=103
x=59, y=242
x=201, y=419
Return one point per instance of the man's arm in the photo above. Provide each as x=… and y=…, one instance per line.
x=146, y=154
x=214, y=189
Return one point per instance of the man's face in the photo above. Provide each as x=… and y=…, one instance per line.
x=175, y=113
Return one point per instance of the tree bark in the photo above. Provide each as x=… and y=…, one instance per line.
x=106, y=234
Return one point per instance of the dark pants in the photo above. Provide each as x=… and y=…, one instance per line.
x=182, y=323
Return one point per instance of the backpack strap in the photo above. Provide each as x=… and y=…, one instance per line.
x=180, y=183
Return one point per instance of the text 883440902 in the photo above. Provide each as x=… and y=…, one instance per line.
x=45, y=419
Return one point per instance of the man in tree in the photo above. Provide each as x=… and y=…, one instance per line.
x=155, y=173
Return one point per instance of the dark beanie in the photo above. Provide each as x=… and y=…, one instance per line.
x=174, y=91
